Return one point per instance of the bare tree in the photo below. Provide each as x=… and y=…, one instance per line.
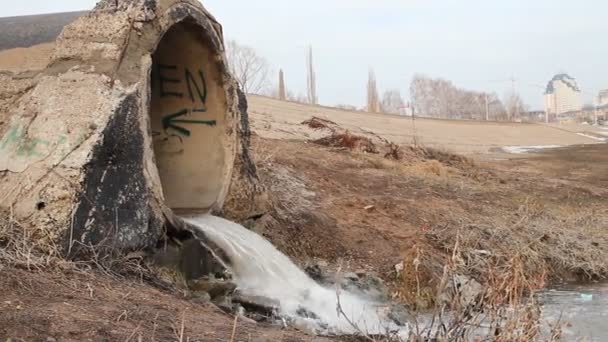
x=311, y=78
x=515, y=106
x=392, y=102
x=373, y=104
x=249, y=69
x=441, y=99
x=282, y=94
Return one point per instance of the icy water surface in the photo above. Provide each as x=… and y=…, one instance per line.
x=583, y=307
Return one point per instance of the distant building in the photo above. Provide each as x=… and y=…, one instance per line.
x=602, y=98
x=562, y=95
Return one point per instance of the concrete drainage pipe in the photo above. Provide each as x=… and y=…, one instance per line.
x=135, y=117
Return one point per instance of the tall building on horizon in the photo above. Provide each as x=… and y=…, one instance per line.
x=562, y=95
x=602, y=98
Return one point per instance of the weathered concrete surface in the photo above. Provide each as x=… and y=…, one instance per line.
x=123, y=126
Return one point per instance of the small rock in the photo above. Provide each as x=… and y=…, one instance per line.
x=316, y=273
x=264, y=305
x=399, y=268
x=224, y=303
x=200, y=297
x=215, y=288
x=351, y=276
x=246, y=319
x=322, y=263
x=400, y=315
x=369, y=207
x=306, y=313
x=468, y=289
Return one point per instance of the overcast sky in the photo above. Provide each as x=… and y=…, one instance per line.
x=477, y=44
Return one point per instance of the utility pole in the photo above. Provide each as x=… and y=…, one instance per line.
x=487, y=108
x=282, y=92
x=595, y=115
x=513, y=97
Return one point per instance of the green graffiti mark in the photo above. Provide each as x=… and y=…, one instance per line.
x=26, y=146
x=171, y=121
x=12, y=137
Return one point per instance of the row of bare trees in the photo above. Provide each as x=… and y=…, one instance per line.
x=430, y=97
x=439, y=98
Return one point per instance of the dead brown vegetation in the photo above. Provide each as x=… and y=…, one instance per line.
x=349, y=141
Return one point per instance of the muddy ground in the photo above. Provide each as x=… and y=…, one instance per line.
x=359, y=210
x=425, y=198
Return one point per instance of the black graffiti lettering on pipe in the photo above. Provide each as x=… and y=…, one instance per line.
x=163, y=79
x=201, y=94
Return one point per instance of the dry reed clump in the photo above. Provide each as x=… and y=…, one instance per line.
x=504, y=308
x=418, y=278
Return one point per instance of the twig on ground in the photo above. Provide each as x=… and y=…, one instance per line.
x=236, y=318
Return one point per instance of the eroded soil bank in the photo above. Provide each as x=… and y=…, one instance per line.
x=334, y=206
x=373, y=213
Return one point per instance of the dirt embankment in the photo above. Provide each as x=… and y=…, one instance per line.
x=361, y=210
x=369, y=212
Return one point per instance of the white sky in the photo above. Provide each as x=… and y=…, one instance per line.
x=477, y=44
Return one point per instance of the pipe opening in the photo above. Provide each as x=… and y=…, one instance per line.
x=187, y=111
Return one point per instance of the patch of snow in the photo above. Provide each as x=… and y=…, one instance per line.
x=591, y=136
x=526, y=149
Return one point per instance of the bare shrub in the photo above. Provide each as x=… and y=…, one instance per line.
x=349, y=141
x=320, y=123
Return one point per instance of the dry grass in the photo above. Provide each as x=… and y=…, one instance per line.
x=505, y=310
x=546, y=242
x=27, y=249
x=36, y=250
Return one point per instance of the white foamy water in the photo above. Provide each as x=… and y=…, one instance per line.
x=258, y=268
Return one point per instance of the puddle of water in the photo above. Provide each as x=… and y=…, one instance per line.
x=584, y=308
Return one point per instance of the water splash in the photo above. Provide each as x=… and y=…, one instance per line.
x=258, y=268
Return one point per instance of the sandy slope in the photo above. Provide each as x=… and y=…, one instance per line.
x=272, y=118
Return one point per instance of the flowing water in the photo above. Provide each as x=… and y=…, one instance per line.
x=584, y=309
x=259, y=269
